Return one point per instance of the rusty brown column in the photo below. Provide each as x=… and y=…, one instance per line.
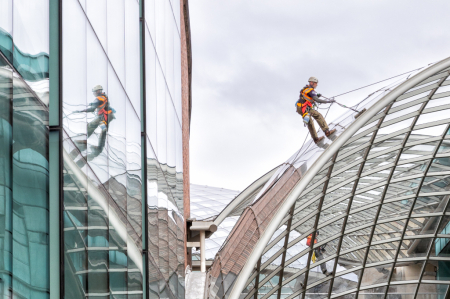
x=186, y=98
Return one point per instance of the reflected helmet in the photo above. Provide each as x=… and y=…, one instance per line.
x=97, y=87
x=313, y=79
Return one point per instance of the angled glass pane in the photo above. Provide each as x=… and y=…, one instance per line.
x=405, y=271
x=373, y=293
x=350, y=260
x=413, y=248
x=382, y=252
x=432, y=290
x=376, y=275
x=346, y=282
x=402, y=291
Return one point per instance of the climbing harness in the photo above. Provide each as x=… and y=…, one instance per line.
x=304, y=93
x=304, y=108
x=103, y=109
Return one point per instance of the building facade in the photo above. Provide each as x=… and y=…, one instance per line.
x=373, y=202
x=94, y=145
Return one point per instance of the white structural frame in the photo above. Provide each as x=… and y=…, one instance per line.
x=360, y=122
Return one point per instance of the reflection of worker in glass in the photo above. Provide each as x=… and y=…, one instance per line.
x=318, y=253
x=104, y=114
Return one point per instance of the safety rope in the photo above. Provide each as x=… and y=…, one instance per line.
x=351, y=108
x=306, y=138
x=379, y=81
x=343, y=106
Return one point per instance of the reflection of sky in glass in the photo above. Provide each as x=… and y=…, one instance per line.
x=28, y=21
x=30, y=26
x=101, y=47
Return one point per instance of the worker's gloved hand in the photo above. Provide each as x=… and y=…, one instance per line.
x=331, y=100
x=319, y=95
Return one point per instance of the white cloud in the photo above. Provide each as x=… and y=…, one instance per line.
x=251, y=58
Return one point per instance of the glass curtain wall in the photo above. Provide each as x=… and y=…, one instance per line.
x=102, y=183
x=24, y=149
x=102, y=149
x=23, y=188
x=164, y=148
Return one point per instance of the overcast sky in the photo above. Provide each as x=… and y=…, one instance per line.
x=251, y=58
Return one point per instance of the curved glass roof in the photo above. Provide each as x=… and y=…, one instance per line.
x=206, y=203
x=380, y=203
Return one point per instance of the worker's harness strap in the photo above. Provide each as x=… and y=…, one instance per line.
x=305, y=92
x=306, y=98
x=103, y=109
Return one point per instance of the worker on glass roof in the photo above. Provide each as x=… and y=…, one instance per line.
x=318, y=253
x=305, y=107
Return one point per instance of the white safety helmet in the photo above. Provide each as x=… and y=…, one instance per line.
x=97, y=87
x=313, y=79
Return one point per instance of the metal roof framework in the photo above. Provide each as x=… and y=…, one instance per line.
x=378, y=194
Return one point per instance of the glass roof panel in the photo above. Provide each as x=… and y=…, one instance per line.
x=396, y=184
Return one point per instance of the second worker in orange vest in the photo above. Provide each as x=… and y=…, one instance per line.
x=305, y=108
x=319, y=253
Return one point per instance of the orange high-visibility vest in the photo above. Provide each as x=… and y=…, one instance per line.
x=305, y=92
x=308, y=99
x=102, y=108
x=308, y=240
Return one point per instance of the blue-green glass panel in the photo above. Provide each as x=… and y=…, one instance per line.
x=6, y=44
x=30, y=259
x=5, y=180
x=30, y=34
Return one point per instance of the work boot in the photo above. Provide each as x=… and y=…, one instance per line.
x=319, y=139
x=328, y=132
x=327, y=273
